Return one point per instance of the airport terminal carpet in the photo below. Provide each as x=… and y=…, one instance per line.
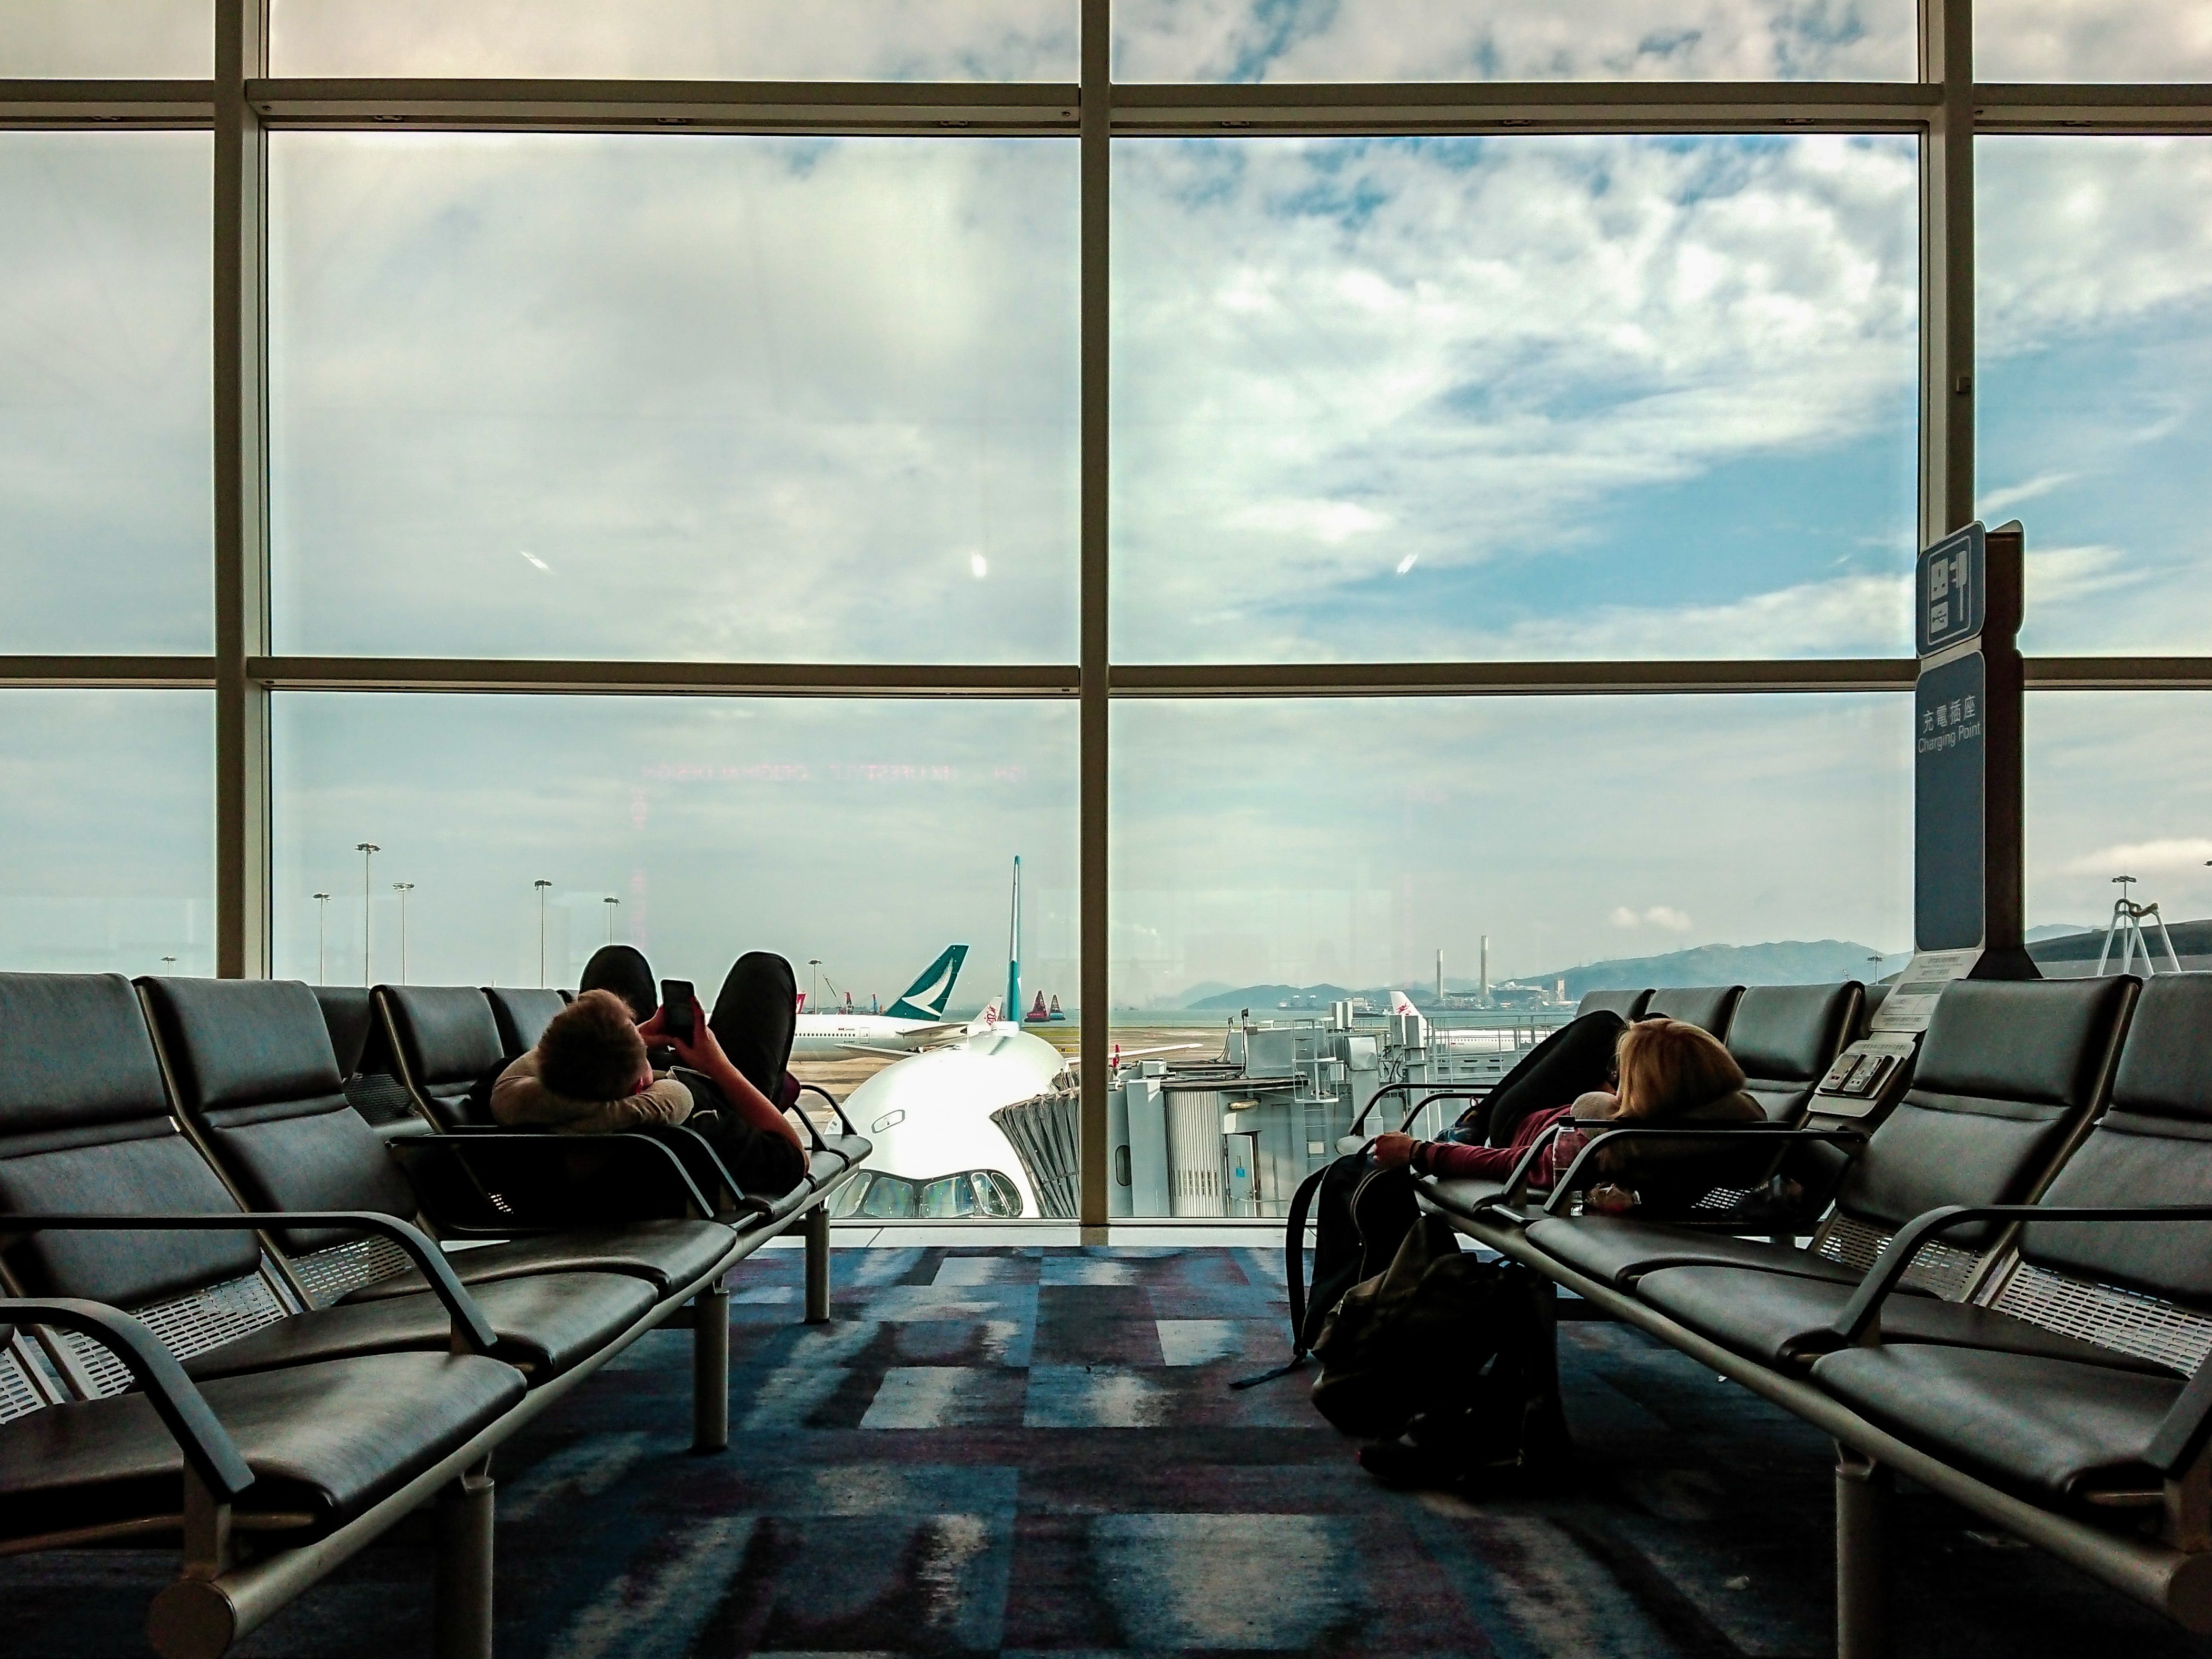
x=1033, y=1452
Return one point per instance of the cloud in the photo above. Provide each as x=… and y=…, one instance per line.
x=2133, y=858
x=1994, y=502
x=1576, y=39
x=1659, y=915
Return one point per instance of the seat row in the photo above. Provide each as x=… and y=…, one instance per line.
x=226, y=1322
x=2009, y=1300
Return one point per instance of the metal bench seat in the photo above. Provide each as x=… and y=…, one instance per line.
x=326, y=1444
x=543, y=1324
x=1783, y=1320
x=1617, y=1250
x=2059, y=1429
x=666, y=1254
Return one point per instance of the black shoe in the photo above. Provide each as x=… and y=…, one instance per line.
x=623, y=970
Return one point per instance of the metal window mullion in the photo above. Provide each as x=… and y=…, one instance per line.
x=1946, y=271
x=240, y=480
x=1092, y=759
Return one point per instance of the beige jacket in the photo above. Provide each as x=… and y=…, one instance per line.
x=519, y=1100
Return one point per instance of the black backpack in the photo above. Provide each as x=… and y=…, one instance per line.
x=1363, y=1215
x=1451, y=1351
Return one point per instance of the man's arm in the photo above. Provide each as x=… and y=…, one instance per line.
x=703, y=1053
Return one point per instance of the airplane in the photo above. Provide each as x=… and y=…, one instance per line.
x=938, y=1156
x=906, y=1027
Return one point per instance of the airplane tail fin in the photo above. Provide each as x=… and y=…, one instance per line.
x=926, y=997
x=1401, y=1004
x=983, y=1021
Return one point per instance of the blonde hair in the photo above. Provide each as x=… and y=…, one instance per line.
x=1668, y=1066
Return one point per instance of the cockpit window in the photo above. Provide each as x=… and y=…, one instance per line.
x=874, y=1195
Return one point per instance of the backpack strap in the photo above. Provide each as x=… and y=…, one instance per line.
x=1294, y=1276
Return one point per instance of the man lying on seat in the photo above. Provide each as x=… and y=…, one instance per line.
x=589, y=1075
x=1670, y=1073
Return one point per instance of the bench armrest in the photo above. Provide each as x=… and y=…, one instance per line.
x=1359, y=1124
x=836, y=1105
x=1740, y=1136
x=472, y=1334
x=205, y=1443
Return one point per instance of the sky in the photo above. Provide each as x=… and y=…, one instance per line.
x=815, y=400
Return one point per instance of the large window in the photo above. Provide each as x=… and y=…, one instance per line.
x=105, y=498
x=2095, y=285
x=107, y=831
x=744, y=398
x=864, y=837
x=1512, y=397
x=1565, y=829
x=1324, y=482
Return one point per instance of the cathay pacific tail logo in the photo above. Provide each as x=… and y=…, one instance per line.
x=926, y=997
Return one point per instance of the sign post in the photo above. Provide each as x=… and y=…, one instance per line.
x=1967, y=719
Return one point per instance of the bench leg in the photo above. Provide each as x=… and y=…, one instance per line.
x=818, y=1265
x=710, y=1369
x=1862, y=1489
x=463, y=1570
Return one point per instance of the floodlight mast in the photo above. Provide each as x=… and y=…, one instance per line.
x=403, y=888
x=322, y=938
x=541, y=884
x=368, y=850
x=612, y=903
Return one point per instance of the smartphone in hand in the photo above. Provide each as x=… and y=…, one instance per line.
x=677, y=1000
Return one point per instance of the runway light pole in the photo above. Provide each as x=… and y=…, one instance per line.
x=368, y=850
x=612, y=904
x=541, y=884
x=814, y=988
x=403, y=888
x=322, y=938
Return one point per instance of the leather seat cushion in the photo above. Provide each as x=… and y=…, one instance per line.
x=1616, y=1250
x=325, y=1443
x=2050, y=1426
x=545, y=1323
x=1778, y=1320
x=852, y=1149
x=664, y=1253
x=1464, y=1195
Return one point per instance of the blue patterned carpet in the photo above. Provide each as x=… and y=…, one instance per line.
x=1034, y=1451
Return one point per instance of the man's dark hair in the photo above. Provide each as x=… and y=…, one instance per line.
x=591, y=1050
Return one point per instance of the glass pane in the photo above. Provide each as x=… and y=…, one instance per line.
x=857, y=838
x=108, y=832
x=699, y=398
x=2095, y=340
x=1513, y=398
x=2092, y=40
x=683, y=39
x=2118, y=784
x=1562, y=40
x=1281, y=856
x=106, y=425
x=88, y=39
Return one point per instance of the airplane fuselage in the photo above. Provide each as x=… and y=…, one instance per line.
x=833, y=1036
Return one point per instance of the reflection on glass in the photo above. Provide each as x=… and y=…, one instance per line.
x=106, y=418
x=856, y=838
x=2118, y=784
x=2092, y=40
x=107, y=39
x=1341, y=40
x=1521, y=397
x=682, y=40
x=1491, y=860
x=108, y=832
x=2095, y=343
x=756, y=399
